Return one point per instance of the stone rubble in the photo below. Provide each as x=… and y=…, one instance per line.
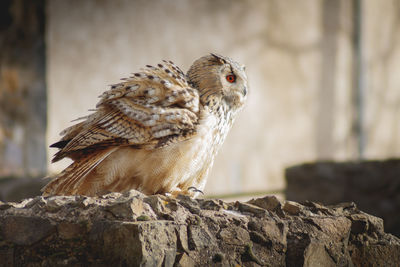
x=133, y=229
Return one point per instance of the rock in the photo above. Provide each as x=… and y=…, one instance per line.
x=373, y=185
x=185, y=261
x=132, y=229
x=268, y=203
x=68, y=230
x=25, y=230
x=292, y=208
x=19, y=188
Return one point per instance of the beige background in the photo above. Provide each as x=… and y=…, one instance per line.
x=300, y=61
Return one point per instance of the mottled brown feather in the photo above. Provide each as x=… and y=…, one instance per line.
x=69, y=180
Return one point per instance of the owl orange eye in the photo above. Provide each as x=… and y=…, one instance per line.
x=231, y=78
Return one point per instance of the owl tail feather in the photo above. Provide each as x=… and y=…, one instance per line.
x=71, y=180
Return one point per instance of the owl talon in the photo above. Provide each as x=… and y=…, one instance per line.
x=195, y=190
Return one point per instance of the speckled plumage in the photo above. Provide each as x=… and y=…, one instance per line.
x=158, y=131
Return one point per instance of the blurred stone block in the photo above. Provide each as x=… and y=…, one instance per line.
x=373, y=185
x=16, y=189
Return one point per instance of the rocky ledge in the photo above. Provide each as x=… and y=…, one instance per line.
x=136, y=230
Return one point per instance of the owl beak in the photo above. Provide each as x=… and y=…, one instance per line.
x=244, y=90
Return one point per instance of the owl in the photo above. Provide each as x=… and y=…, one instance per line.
x=157, y=131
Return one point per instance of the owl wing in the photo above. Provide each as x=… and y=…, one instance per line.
x=152, y=108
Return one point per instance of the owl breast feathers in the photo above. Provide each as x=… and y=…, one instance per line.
x=158, y=131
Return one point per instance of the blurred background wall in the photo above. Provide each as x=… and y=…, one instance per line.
x=323, y=75
x=23, y=101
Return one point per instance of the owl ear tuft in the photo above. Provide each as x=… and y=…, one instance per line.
x=219, y=58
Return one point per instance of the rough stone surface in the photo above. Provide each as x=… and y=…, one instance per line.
x=132, y=229
x=373, y=185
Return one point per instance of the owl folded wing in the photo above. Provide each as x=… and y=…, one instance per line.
x=153, y=108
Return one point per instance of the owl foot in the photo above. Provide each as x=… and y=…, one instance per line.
x=191, y=191
x=174, y=192
x=195, y=190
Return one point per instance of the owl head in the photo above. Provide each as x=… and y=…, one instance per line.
x=219, y=80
